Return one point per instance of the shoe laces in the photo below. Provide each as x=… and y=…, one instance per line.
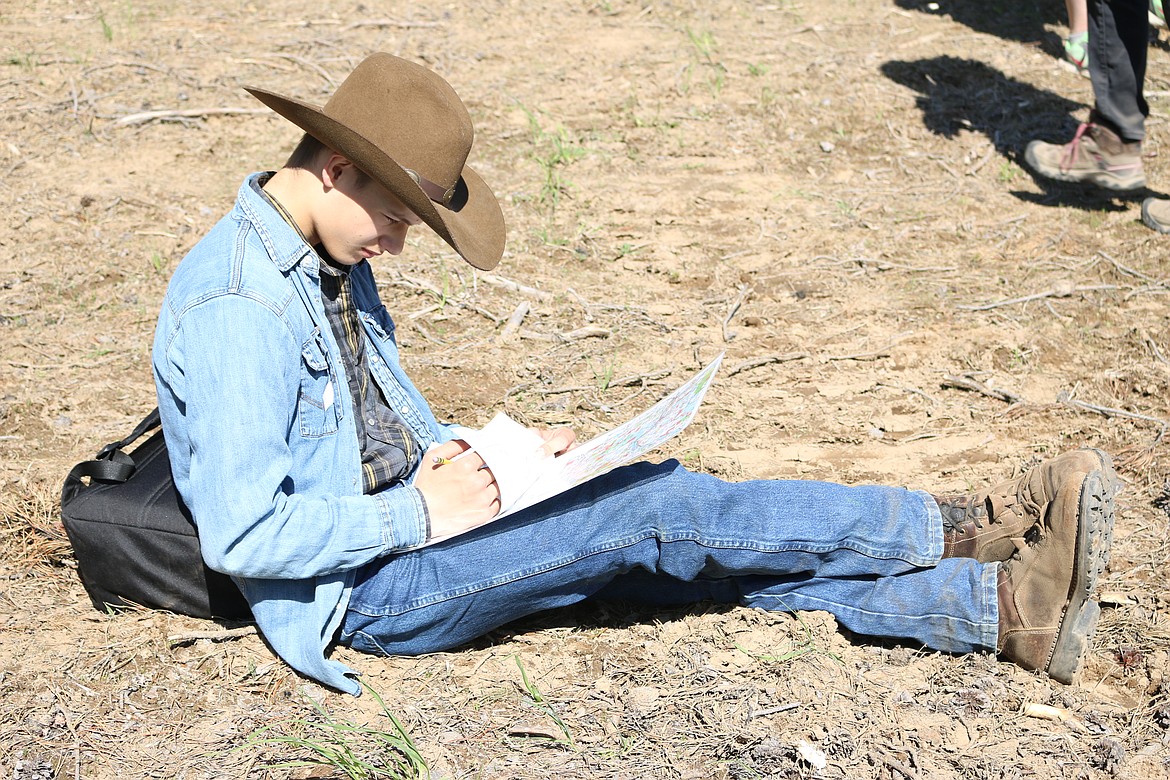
x=950, y=523
x=1072, y=149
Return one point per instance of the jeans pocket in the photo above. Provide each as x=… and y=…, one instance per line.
x=319, y=403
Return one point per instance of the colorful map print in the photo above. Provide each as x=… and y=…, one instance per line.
x=623, y=444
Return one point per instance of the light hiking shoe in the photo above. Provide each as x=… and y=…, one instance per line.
x=1095, y=155
x=1047, y=591
x=1156, y=214
x=986, y=525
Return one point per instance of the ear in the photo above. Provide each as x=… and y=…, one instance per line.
x=334, y=167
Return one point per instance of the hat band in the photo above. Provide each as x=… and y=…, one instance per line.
x=433, y=191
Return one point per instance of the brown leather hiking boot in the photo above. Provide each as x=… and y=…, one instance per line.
x=984, y=525
x=1047, y=612
x=1095, y=155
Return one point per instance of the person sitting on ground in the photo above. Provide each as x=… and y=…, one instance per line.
x=316, y=473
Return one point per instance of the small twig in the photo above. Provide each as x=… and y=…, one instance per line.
x=1106, y=411
x=174, y=640
x=967, y=382
x=773, y=710
x=508, y=284
x=974, y=169
x=1131, y=272
x=748, y=365
x=587, y=332
x=1153, y=347
x=513, y=323
x=311, y=65
x=877, y=353
x=71, y=725
x=1060, y=291
x=896, y=765
x=70, y=364
x=426, y=334
x=636, y=379
x=585, y=306
x=744, y=292
x=913, y=390
x=1047, y=712
x=389, y=23
x=186, y=113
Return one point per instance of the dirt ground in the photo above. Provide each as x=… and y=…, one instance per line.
x=830, y=192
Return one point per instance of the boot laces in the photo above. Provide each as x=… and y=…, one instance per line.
x=1072, y=149
x=965, y=502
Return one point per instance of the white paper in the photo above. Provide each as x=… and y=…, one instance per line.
x=525, y=477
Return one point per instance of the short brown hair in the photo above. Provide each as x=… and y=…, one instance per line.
x=306, y=152
x=309, y=150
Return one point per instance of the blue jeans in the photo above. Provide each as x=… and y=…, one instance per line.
x=1119, y=42
x=659, y=534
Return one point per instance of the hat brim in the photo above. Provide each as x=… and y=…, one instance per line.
x=475, y=229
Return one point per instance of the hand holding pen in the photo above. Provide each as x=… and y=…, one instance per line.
x=459, y=489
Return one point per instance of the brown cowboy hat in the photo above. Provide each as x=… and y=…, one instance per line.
x=404, y=126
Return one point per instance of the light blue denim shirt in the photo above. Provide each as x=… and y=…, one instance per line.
x=259, y=423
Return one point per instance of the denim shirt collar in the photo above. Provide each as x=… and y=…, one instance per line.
x=281, y=240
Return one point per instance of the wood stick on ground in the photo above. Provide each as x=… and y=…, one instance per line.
x=1106, y=411
x=893, y=763
x=1133, y=272
x=748, y=365
x=508, y=284
x=513, y=323
x=1152, y=345
x=389, y=23
x=635, y=379
x=877, y=353
x=586, y=332
x=967, y=382
x=1060, y=291
x=744, y=292
x=186, y=113
x=174, y=640
x=310, y=65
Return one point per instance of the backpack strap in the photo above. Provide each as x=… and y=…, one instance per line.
x=112, y=464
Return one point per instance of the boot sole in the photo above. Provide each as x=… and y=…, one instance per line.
x=1103, y=179
x=1094, y=537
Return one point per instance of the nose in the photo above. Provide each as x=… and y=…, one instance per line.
x=394, y=239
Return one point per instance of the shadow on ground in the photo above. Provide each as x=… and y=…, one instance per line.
x=956, y=94
x=1024, y=22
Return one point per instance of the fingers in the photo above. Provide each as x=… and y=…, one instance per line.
x=558, y=440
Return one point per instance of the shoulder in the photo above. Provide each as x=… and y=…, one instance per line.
x=247, y=253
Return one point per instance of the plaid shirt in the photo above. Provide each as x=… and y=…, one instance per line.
x=389, y=450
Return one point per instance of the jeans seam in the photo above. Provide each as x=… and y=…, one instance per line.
x=521, y=574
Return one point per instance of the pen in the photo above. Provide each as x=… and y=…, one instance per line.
x=439, y=460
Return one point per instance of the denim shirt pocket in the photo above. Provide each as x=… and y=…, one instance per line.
x=320, y=403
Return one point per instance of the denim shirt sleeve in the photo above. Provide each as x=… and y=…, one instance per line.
x=238, y=369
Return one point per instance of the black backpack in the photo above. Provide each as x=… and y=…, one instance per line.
x=133, y=538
